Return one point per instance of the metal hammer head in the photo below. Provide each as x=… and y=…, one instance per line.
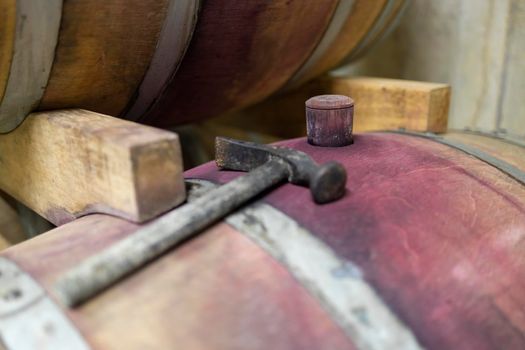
x=326, y=182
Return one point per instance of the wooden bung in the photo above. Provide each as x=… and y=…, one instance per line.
x=329, y=120
x=392, y=103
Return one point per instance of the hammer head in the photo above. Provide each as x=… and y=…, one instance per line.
x=326, y=182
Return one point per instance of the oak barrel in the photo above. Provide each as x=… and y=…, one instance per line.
x=425, y=251
x=166, y=62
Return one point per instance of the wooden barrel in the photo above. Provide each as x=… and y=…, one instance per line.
x=426, y=250
x=166, y=62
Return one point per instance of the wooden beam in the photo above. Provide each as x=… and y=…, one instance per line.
x=391, y=104
x=68, y=163
x=380, y=104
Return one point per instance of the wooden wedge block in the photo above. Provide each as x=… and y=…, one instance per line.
x=391, y=104
x=68, y=163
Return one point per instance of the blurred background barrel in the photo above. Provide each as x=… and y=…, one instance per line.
x=166, y=62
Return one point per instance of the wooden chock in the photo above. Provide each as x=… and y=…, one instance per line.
x=68, y=163
x=391, y=104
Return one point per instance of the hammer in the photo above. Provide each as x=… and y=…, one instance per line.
x=267, y=166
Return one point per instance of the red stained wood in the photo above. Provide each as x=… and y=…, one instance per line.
x=218, y=291
x=439, y=234
x=241, y=52
x=329, y=120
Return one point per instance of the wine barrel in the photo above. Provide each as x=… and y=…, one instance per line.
x=425, y=250
x=166, y=62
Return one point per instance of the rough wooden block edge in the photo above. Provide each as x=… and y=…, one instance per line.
x=435, y=101
x=439, y=124
x=65, y=164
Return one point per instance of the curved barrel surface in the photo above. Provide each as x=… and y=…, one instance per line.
x=424, y=251
x=438, y=233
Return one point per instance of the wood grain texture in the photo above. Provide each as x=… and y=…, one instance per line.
x=217, y=291
x=240, y=53
x=7, y=36
x=438, y=233
x=380, y=104
x=69, y=163
x=391, y=104
x=104, y=49
x=35, y=40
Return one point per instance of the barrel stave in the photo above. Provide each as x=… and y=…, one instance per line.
x=104, y=49
x=240, y=53
x=218, y=291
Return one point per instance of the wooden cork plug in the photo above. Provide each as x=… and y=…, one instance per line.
x=329, y=120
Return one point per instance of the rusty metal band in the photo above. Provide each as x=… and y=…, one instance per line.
x=175, y=36
x=497, y=163
x=341, y=14
x=373, y=34
x=336, y=283
x=36, y=36
x=29, y=319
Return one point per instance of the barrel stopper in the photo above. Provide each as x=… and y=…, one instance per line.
x=329, y=120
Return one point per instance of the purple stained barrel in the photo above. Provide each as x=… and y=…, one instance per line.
x=425, y=251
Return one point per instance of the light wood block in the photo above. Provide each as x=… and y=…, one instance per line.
x=391, y=104
x=68, y=163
